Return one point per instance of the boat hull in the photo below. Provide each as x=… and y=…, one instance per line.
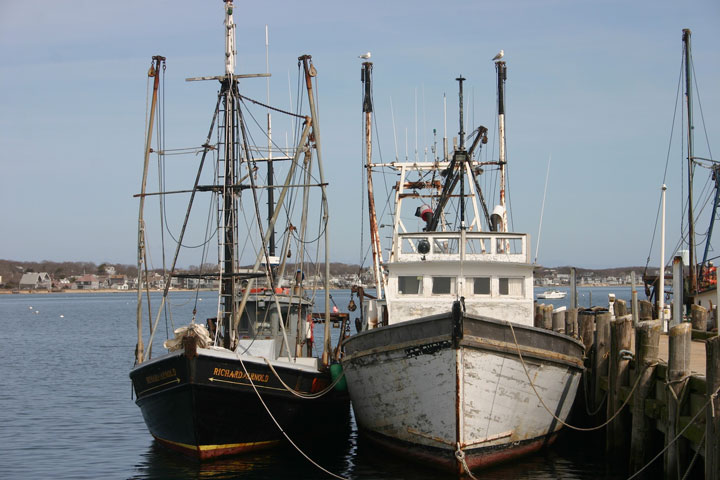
x=428, y=387
x=205, y=406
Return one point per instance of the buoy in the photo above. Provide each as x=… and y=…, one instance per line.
x=335, y=309
x=62, y=316
x=335, y=371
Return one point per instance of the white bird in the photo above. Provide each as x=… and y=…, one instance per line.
x=499, y=55
x=365, y=55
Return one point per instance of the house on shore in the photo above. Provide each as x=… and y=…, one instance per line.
x=35, y=281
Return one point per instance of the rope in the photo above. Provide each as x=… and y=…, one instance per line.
x=700, y=410
x=460, y=455
x=300, y=394
x=270, y=108
x=281, y=429
x=580, y=429
x=697, y=452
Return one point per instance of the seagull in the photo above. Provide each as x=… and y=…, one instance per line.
x=365, y=55
x=499, y=55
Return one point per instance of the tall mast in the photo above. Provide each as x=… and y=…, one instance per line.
x=229, y=219
x=309, y=70
x=502, y=76
x=690, y=159
x=461, y=155
x=154, y=71
x=366, y=77
x=270, y=169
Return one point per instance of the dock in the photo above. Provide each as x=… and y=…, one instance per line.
x=652, y=394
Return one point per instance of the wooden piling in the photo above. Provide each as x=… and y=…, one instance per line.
x=712, y=411
x=547, y=317
x=698, y=317
x=620, y=308
x=538, y=315
x=678, y=373
x=647, y=339
x=618, y=377
x=558, y=321
x=646, y=310
x=586, y=327
x=602, y=351
x=571, y=322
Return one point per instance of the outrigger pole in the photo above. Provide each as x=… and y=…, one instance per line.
x=366, y=78
x=502, y=76
x=157, y=62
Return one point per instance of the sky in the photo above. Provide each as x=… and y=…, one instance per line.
x=591, y=90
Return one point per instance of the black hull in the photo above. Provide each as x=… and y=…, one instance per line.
x=205, y=406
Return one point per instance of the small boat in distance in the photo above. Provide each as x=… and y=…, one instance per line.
x=550, y=294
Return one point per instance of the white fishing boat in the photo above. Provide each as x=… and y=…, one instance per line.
x=447, y=367
x=552, y=294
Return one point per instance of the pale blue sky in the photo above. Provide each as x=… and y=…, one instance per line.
x=590, y=83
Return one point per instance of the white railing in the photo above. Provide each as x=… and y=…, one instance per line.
x=467, y=246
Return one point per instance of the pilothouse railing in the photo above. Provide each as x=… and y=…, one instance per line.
x=477, y=246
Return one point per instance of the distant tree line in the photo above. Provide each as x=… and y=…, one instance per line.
x=12, y=271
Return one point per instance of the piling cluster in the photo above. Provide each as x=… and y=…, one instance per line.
x=654, y=389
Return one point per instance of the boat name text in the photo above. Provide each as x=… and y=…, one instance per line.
x=240, y=375
x=160, y=376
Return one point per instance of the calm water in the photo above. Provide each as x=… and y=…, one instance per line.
x=66, y=409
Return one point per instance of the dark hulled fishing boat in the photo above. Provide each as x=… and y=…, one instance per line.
x=248, y=377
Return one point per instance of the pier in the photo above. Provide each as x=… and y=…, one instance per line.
x=653, y=394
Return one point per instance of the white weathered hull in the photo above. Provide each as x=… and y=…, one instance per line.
x=425, y=393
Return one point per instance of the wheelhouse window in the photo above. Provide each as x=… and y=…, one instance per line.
x=409, y=285
x=443, y=285
x=513, y=287
x=481, y=285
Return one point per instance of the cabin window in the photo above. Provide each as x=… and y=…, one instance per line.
x=481, y=285
x=409, y=285
x=443, y=285
x=512, y=287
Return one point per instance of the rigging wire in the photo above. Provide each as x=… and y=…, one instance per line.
x=667, y=162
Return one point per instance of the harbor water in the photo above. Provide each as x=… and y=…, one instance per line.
x=67, y=411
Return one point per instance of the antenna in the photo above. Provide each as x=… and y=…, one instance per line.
x=542, y=209
x=392, y=113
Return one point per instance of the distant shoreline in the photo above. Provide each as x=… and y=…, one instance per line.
x=114, y=290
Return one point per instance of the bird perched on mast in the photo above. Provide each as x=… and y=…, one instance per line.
x=499, y=55
x=365, y=55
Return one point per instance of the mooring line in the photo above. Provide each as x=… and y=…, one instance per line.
x=700, y=410
x=573, y=427
x=283, y=431
x=300, y=394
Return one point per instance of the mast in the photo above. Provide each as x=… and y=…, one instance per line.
x=154, y=71
x=310, y=72
x=502, y=76
x=688, y=102
x=461, y=155
x=270, y=169
x=228, y=157
x=366, y=77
